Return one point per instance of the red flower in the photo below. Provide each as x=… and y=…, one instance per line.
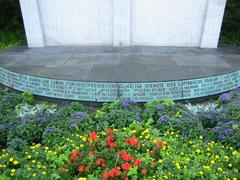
x=100, y=162
x=105, y=174
x=160, y=144
x=87, y=168
x=80, y=168
x=63, y=170
x=138, y=162
x=69, y=162
x=126, y=178
x=74, y=155
x=109, y=131
x=110, y=142
x=114, y=172
x=93, y=136
x=132, y=141
x=126, y=166
x=125, y=156
x=144, y=171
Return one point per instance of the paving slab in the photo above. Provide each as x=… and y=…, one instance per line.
x=158, y=60
x=200, y=60
x=160, y=73
x=66, y=72
x=101, y=73
x=94, y=59
x=26, y=69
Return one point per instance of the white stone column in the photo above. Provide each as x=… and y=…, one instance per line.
x=213, y=23
x=32, y=23
x=121, y=22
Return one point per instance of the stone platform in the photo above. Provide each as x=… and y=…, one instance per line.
x=105, y=74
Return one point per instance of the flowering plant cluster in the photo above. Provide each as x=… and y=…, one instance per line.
x=121, y=140
x=114, y=154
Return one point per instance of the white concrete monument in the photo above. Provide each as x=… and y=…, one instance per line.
x=182, y=23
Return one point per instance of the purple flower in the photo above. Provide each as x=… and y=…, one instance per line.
x=216, y=128
x=208, y=116
x=162, y=119
x=127, y=103
x=2, y=126
x=204, y=134
x=23, y=119
x=159, y=107
x=225, y=97
x=73, y=122
x=81, y=115
x=50, y=130
x=184, y=134
x=138, y=119
x=221, y=137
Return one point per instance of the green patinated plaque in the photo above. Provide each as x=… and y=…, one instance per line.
x=108, y=92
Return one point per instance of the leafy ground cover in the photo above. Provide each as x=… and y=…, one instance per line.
x=120, y=140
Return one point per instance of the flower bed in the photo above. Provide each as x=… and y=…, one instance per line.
x=121, y=140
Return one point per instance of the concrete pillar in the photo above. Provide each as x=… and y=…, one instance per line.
x=213, y=23
x=32, y=23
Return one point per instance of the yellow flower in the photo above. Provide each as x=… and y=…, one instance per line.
x=81, y=145
x=115, y=130
x=33, y=161
x=147, y=137
x=208, y=149
x=15, y=162
x=220, y=169
x=234, y=152
x=212, y=162
x=82, y=178
x=198, y=150
x=201, y=137
x=165, y=177
x=11, y=159
x=207, y=167
x=12, y=174
x=13, y=170
x=178, y=166
x=229, y=165
x=200, y=173
x=217, y=157
x=226, y=157
x=160, y=160
x=34, y=174
x=84, y=139
x=46, y=148
x=29, y=156
x=124, y=129
x=44, y=173
x=234, y=178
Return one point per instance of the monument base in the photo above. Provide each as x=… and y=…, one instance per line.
x=106, y=74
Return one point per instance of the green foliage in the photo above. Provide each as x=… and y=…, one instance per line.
x=41, y=138
x=231, y=29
